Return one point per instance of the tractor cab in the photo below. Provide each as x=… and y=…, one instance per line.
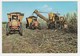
x=14, y=17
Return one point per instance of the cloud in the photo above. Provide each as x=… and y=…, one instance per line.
x=47, y=8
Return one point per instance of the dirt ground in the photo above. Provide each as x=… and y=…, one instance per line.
x=39, y=41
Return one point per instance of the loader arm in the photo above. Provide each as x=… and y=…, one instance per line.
x=40, y=15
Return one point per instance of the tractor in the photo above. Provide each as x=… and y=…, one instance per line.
x=32, y=23
x=14, y=23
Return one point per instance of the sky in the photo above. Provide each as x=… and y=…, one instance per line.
x=28, y=8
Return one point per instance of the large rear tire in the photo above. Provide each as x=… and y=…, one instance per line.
x=39, y=27
x=57, y=25
x=27, y=25
x=20, y=30
x=51, y=26
x=7, y=29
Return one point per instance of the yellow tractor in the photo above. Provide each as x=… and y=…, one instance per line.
x=14, y=22
x=32, y=23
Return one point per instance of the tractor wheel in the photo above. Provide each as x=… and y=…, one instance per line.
x=39, y=27
x=27, y=25
x=20, y=30
x=30, y=27
x=57, y=25
x=7, y=29
x=51, y=26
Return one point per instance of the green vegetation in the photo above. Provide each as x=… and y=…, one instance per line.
x=72, y=21
x=4, y=22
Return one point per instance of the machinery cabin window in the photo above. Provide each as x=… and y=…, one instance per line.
x=14, y=17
